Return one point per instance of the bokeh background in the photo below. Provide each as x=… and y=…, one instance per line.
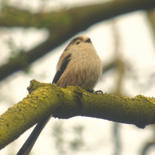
x=34, y=33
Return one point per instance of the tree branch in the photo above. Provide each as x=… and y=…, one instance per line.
x=46, y=99
x=89, y=14
x=62, y=25
x=151, y=19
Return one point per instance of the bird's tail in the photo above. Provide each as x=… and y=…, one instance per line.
x=27, y=146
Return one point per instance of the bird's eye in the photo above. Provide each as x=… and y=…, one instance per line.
x=78, y=42
x=88, y=40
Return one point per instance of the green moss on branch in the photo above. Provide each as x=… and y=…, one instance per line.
x=47, y=99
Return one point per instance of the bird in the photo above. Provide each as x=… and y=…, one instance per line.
x=79, y=65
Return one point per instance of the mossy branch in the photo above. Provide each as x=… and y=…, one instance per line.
x=46, y=99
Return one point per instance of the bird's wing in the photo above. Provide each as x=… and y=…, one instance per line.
x=62, y=68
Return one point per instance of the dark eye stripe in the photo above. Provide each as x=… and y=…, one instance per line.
x=88, y=41
x=75, y=40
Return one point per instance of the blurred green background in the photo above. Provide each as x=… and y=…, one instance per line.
x=34, y=33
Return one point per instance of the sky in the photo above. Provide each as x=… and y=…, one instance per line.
x=137, y=48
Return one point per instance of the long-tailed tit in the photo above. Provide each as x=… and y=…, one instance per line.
x=79, y=65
